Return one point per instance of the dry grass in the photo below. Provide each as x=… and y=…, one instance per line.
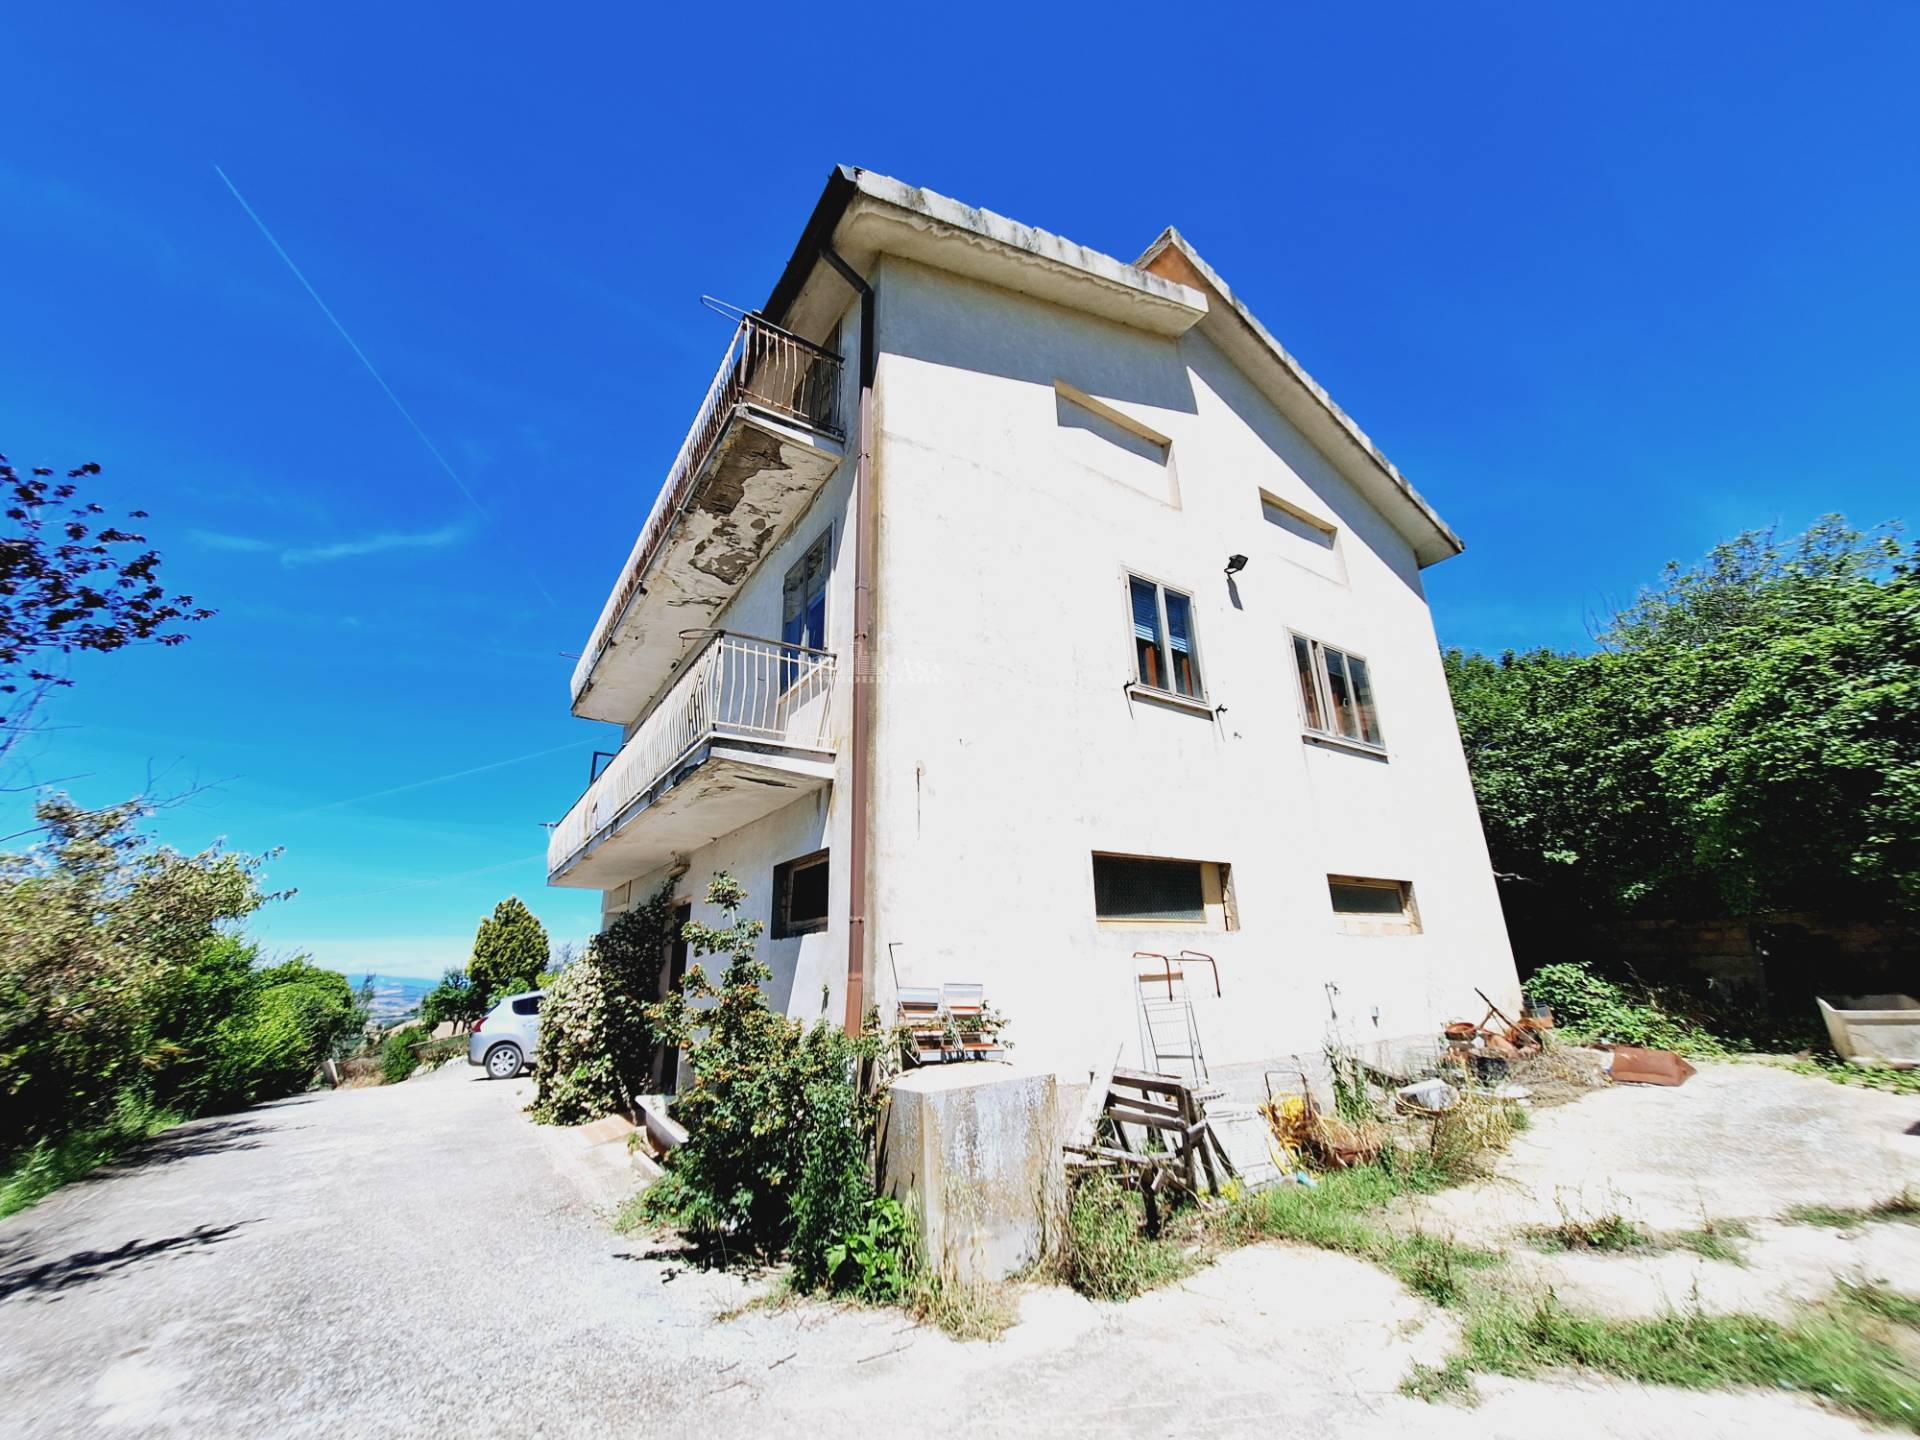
x=1558, y=1074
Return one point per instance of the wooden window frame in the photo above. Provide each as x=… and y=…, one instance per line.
x=784, y=926
x=1355, y=922
x=1219, y=913
x=1323, y=693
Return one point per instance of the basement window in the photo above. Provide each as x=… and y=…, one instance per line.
x=1373, y=907
x=1141, y=890
x=1336, y=693
x=800, y=896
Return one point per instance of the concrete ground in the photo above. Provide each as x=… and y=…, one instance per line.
x=1738, y=1142
x=419, y=1259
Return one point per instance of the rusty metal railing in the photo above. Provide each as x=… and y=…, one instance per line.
x=734, y=686
x=764, y=366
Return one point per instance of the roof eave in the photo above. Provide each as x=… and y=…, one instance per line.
x=1436, y=540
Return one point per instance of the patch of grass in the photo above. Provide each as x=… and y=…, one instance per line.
x=1714, y=1240
x=1828, y=1354
x=43, y=1168
x=1606, y=1233
x=1106, y=1255
x=1904, y=1206
x=1841, y=1072
x=632, y=1215
x=1335, y=1215
x=960, y=1310
x=1877, y=1300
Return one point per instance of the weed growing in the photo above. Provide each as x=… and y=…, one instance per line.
x=1105, y=1254
x=1833, y=1353
x=47, y=1165
x=1904, y=1206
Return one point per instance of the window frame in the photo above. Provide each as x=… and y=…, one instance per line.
x=1218, y=910
x=784, y=926
x=791, y=667
x=1323, y=692
x=1404, y=921
x=1163, y=639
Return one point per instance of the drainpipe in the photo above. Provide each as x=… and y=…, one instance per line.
x=860, y=785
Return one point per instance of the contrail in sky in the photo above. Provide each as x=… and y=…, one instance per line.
x=423, y=784
x=372, y=369
x=434, y=880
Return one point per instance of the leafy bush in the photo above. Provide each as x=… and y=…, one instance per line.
x=97, y=930
x=1746, y=739
x=875, y=1259
x=777, y=1129
x=597, y=1048
x=1587, y=1006
x=398, y=1058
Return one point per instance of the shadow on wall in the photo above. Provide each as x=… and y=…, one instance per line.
x=52, y=1278
x=972, y=326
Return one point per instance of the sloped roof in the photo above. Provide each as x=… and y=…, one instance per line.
x=1172, y=256
x=1168, y=290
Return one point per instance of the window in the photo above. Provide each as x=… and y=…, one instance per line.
x=1336, y=693
x=527, y=1005
x=803, y=609
x=1373, y=907
x=800, y=896
x=1137, y=890
x=1165, y=655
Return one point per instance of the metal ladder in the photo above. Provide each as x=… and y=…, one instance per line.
x=1169, y=1035
x=1170, y=1045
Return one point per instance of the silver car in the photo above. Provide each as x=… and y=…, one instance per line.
x=507, y=1037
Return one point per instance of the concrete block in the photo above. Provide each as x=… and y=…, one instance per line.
x=604, y=1130
x=973, y=1150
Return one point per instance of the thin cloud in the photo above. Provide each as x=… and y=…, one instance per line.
x=375, y=544
x=240, y=544
x=349, y=549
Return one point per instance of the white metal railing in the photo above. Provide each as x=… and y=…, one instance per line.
x=733, y=686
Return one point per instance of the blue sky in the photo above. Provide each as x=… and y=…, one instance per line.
x=1608, y=284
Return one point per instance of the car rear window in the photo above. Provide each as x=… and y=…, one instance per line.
x=529, y=1005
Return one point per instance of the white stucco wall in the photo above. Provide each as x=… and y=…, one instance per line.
x=1007, y=750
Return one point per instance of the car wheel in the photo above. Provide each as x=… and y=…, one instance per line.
x=503, y=1062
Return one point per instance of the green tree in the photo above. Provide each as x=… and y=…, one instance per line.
x=454, y=1000
x=1746, y=739
x=509, y=950
x=97, y=930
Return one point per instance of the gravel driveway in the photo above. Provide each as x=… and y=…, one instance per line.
x=420, y=1260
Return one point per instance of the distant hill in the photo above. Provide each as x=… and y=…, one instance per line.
x=395, y=997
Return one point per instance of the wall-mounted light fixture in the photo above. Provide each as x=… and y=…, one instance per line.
x=1235, y=564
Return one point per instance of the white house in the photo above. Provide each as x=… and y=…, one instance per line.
x=1010, y=610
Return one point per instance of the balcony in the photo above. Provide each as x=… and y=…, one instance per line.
x=741, y=732
x=763, y=442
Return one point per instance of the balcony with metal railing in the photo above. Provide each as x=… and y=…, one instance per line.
x=763, y=442
x=744, y=729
